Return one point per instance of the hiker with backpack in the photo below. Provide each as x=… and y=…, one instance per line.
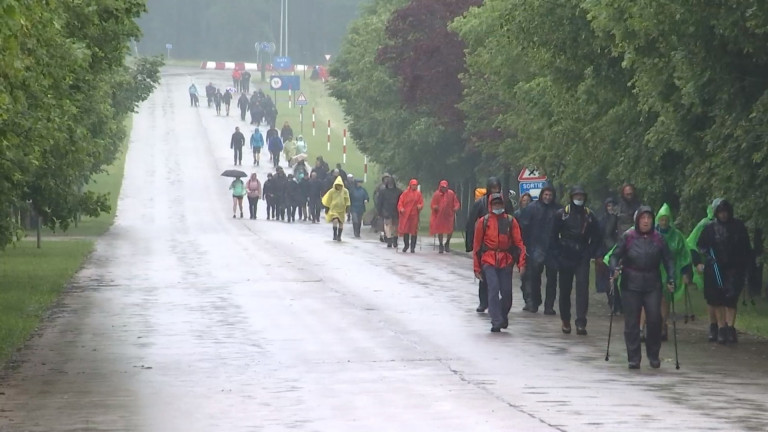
x=479, y=209
x=537, y=223
x=578, y=240
x=639, y=256
x=497, y=246
x=724, y=256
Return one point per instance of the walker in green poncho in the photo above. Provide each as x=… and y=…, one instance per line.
x=693, y=239
x=677, y=245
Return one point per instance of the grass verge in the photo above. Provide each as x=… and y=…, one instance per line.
x=31, y=280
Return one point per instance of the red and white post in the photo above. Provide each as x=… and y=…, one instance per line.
x=313, y=121
x=365, y=169
x=329, y=134
x=344, y=147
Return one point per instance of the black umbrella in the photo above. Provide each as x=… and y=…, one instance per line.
x=234, y=173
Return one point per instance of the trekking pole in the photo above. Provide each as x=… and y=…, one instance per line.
x=674, y=332
x=610, y=323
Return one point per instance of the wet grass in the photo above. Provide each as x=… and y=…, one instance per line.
x=31, y=280
x=752, y=319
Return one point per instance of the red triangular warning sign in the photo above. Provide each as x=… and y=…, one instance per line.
x=528, y=174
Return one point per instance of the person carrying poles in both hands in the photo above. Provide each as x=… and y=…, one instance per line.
x=497, y=246
x=679, y=248
x=639, y=255
x=444, y=207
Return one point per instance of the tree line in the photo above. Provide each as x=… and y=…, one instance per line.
x=65, y=94
x=227, y=31
x=668, y=95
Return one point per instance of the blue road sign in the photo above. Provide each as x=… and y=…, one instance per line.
x=282, y=63
x=532, y=187
x=285, y=82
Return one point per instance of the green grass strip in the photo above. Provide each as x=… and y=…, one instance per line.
x=31, y=280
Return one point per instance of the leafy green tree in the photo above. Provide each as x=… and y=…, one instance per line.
x=65, y=95
x=401, y=55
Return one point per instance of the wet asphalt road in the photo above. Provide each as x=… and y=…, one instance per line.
x=185, y=319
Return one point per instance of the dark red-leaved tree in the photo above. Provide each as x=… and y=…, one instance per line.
x=427, y=57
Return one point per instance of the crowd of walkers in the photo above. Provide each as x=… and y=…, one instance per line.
x=304, y=195
x=642, y=262
x=260, y=105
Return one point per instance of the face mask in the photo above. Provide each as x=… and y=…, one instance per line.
x=498, y=211
x=578, y=202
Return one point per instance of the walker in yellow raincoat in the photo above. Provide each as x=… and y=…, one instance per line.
x=337, y=202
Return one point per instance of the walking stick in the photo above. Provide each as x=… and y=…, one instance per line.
x=610, y=321
x=674, y=332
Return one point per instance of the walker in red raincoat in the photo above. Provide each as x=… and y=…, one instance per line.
x=409, y=206
x=444, y=207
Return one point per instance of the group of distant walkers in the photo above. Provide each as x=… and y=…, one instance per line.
x=260, y=105
x=306, y=195
x=642, y=262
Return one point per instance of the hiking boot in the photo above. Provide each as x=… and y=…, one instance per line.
x=495, y=329
x=389, y=243
x=732, y=337
x=712, y=332
x=655, y=363
x=447, y=248
x=722, y=335
x=531, y=308
x=441, y=249
x=234, y=217
x=566, y=328
x=481, y=308
x=634, y=365
x=549, y=311
x=382, y=239
x=394, y=243
x=505, y=323
x=581, y=331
